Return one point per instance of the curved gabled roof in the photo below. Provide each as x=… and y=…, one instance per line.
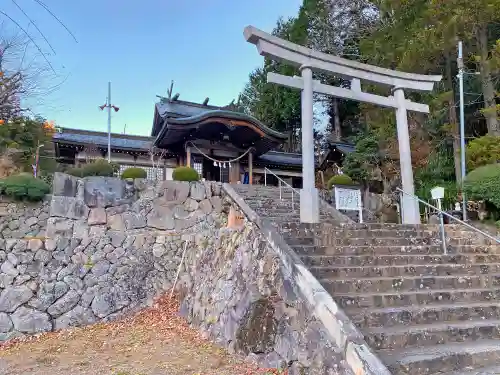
x=243, y=131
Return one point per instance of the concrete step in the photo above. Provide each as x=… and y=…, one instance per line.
x=409, y=283
x=329, y=272
x=427, y=360
x=431, y=334
x=395, y=260
x=416, y=297
x=423, y=314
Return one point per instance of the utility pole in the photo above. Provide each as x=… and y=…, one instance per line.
x=108, y=105
x=460, y=63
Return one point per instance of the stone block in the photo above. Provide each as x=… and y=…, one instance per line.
x=64, y=185
x=175, y=191
x=162, y=218
x=103, y=191
x=197, y=191
x=28, y=320
x=68, y=207
x=13, y=297
x=133, y=220
x=5, y=323
x=64, y=304
x=77, y=317
x=59, y=227
x=97, y=216
x=206, y=206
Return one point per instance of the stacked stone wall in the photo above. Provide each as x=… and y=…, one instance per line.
x=97, y=249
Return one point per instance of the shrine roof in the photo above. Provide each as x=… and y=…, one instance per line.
x=120, y=141
x=281, y=158
x=184, y=121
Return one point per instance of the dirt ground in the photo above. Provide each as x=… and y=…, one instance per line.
x=156, y=341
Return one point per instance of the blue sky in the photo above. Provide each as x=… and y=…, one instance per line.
x=140, y=46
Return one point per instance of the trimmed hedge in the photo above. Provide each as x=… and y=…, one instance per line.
x=24, y=187
x=483, y=183
x=185, y=174
x=99, y=167
x=339, y=179
x=483, y=151
x=134, y=172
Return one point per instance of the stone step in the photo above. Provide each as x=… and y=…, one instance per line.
x=423, y=314
x=305, y=246
x=418, y=297
x=470, y=370
x=360, y=241
x=431, y=334
x=266, y=197
x=395, y=260
x=409, y=283
x=336, y=231
x=277, y=211
x=427, y=360
x=329, y=272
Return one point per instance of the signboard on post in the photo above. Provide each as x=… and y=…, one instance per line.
x=349, y=199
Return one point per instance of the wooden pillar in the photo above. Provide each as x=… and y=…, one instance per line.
x=250, y=168
x=234, y=172
x=188, y=156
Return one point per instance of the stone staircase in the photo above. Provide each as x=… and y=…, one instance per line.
x=266, y=202
x=423, y=312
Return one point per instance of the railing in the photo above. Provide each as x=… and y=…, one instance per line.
x=281, y=182
x=441, y=213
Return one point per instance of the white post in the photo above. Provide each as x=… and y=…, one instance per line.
x=109, y=122
x=309, y=202
x=462, y=127
x=409, y=204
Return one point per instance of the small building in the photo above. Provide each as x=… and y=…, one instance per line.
x=334, y=156
x=219, y=142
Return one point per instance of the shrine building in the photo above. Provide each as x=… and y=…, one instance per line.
x=220, y=143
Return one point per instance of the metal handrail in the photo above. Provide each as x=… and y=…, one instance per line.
x=280, y=181
x=441, y=213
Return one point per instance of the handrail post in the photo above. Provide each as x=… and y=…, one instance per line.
x=441, y=226
x=451, y=217
x=293, y=206
x=279, y=184
x=265, y=176
x=443, y=234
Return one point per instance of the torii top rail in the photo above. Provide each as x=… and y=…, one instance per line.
x=280, y=49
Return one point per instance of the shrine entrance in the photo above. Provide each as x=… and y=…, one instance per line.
x=309, y=60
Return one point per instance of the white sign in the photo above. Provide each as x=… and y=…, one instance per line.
x=349, y=199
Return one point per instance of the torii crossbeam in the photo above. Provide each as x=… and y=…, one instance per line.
x=308, y=60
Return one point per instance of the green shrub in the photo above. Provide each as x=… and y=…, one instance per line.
x=483, y=151
x=483, y=183
x=99, y=167
x=339, y=179
x=185, y=174
x=24, y=186
x=134, y=173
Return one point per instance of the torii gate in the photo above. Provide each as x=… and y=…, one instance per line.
x=308, y=60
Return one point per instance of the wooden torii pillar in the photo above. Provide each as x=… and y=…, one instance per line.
x=309, y=60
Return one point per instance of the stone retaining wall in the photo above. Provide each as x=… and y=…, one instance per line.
x=109, y=248
x=235, y=291
x=19, y=220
